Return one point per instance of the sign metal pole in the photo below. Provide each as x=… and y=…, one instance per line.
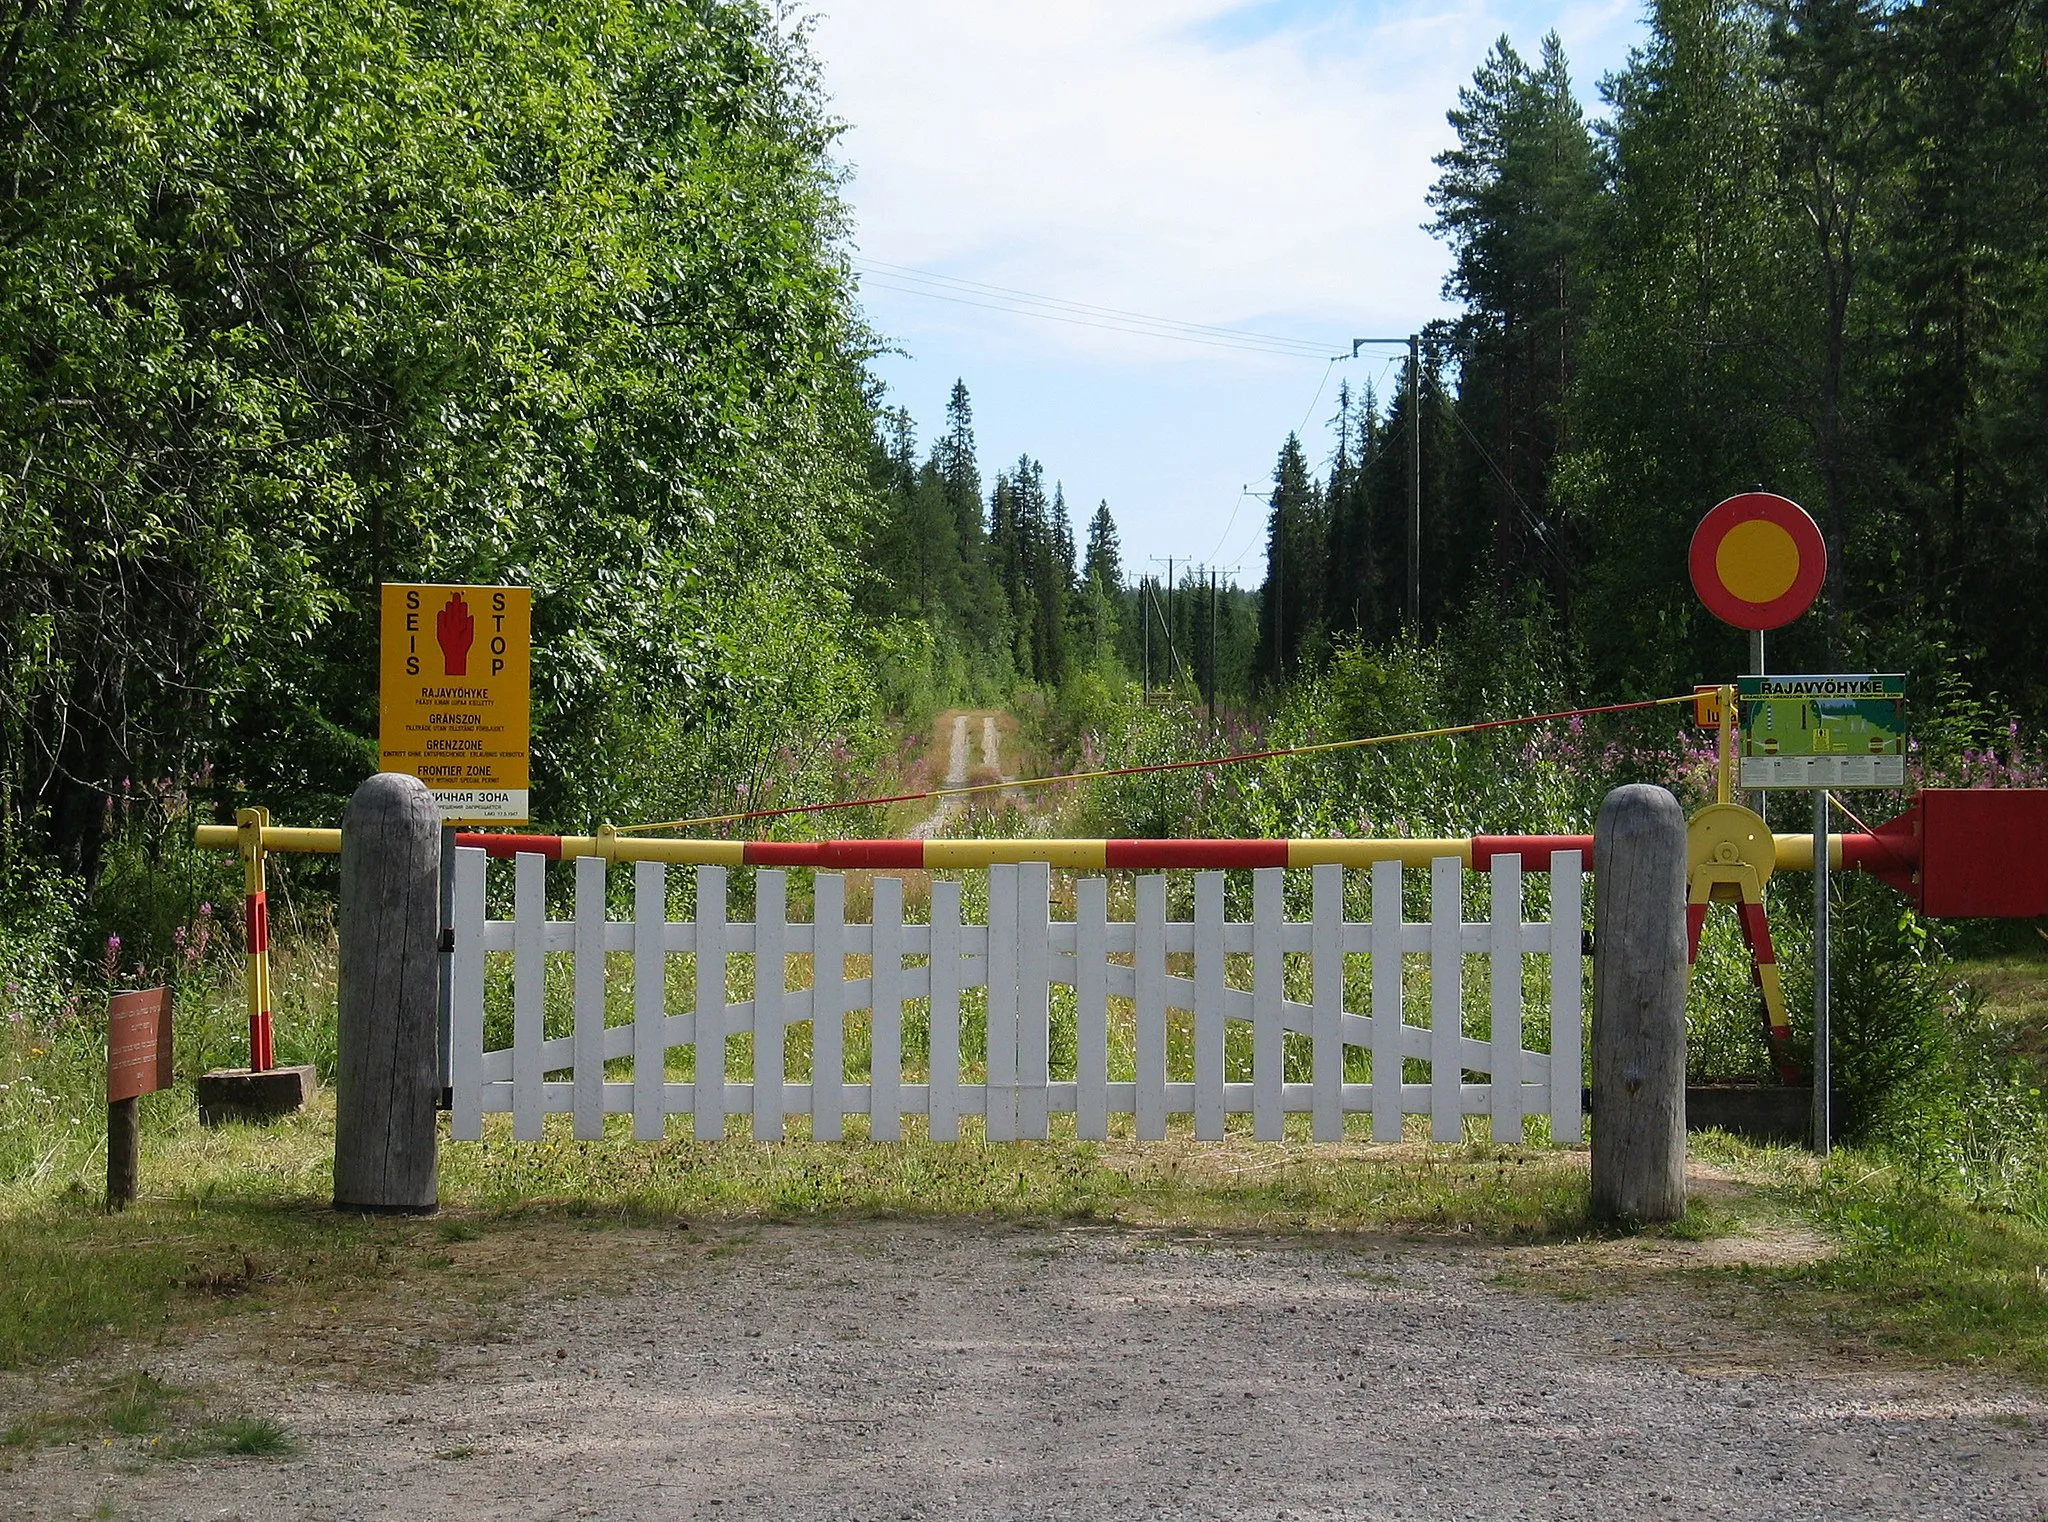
x=1760, y=800
x=446, y=947
x=1823, y=1118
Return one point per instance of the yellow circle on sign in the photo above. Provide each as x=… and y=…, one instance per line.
x=1757, y=561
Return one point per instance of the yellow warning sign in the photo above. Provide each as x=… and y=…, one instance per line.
x=455, y=696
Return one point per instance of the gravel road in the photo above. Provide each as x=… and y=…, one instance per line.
x=912, y=1370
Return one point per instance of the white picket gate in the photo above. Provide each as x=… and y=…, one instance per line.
x=1018, y=956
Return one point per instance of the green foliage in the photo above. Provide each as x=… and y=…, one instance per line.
x=299, y=299
x=1809, y=276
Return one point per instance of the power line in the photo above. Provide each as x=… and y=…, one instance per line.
x=1325, y=381
x=904, y=281
x=1242, y=492
x=979, y=287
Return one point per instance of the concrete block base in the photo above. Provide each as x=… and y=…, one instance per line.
x=1758, y=1111
x=238, y=1094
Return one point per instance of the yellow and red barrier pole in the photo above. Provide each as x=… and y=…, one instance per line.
x=252, y=826
x=1873, y=853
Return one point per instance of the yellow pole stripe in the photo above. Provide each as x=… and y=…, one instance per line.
x=1082, y=855
x=1795, y=852
x=227, y=837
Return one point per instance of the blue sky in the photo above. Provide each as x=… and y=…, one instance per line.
x=1252, y=167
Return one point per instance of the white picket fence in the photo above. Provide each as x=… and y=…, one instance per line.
x=1018, y=956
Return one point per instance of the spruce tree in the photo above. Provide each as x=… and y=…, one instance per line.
x=1105, y=562
x=978, y=600
x=1290, y=603
x=1516, y=200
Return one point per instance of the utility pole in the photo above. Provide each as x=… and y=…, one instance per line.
x=1413, y=343
x=1155, y=610
x=1213, y=576
x=1145, y=620
x=1279, y=587
x=1415, y=483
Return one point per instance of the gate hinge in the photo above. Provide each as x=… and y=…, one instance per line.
x=447, y=943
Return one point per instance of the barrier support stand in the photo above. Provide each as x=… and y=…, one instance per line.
x=249, y=827
x=262, y=1090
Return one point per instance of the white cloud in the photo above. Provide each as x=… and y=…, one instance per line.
x=1255, y=166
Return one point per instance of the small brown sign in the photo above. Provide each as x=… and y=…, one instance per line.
x=138, y=1043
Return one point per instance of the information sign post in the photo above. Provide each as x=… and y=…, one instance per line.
x=1822, y=733
x=1823, y=1098
x=138, y=1063
x=454, y=696
x=455, y=709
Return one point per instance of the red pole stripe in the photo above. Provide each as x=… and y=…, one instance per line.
x=1695, y=922
x=835, y=853
x=1535, y=850
x=507, y=846
x=1194, y=853
x=256, y=922
x=1758, y=929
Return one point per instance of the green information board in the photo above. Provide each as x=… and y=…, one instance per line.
x=1811, y=732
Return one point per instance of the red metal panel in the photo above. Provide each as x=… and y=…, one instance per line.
x=1891, y=853
x=1984, y=852
x=1195, y=853
x=138, y=1043
x=1535, y=850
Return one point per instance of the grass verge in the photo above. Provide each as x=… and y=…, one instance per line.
x=237, y=1218
x=1913, y=1272
x=235, y=1221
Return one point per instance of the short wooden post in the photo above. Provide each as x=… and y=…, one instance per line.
x=387, y=1076
x=124, y=1152
x=138, y=1062
x=1639, y=976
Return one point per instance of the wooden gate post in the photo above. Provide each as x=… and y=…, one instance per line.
x=1639, y=976
x=387, y=1081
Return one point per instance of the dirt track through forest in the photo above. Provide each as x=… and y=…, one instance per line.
x=910, y=1370
x=957, y=763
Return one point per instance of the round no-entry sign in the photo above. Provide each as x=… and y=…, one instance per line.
x=1758, y=561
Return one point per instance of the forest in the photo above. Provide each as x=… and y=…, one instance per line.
x=1798, y=245
x=302, y=296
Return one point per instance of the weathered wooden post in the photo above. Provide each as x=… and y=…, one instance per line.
x=387, y=1081
x=1639, y=976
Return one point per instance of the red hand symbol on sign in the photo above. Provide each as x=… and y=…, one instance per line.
x=455, y=631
